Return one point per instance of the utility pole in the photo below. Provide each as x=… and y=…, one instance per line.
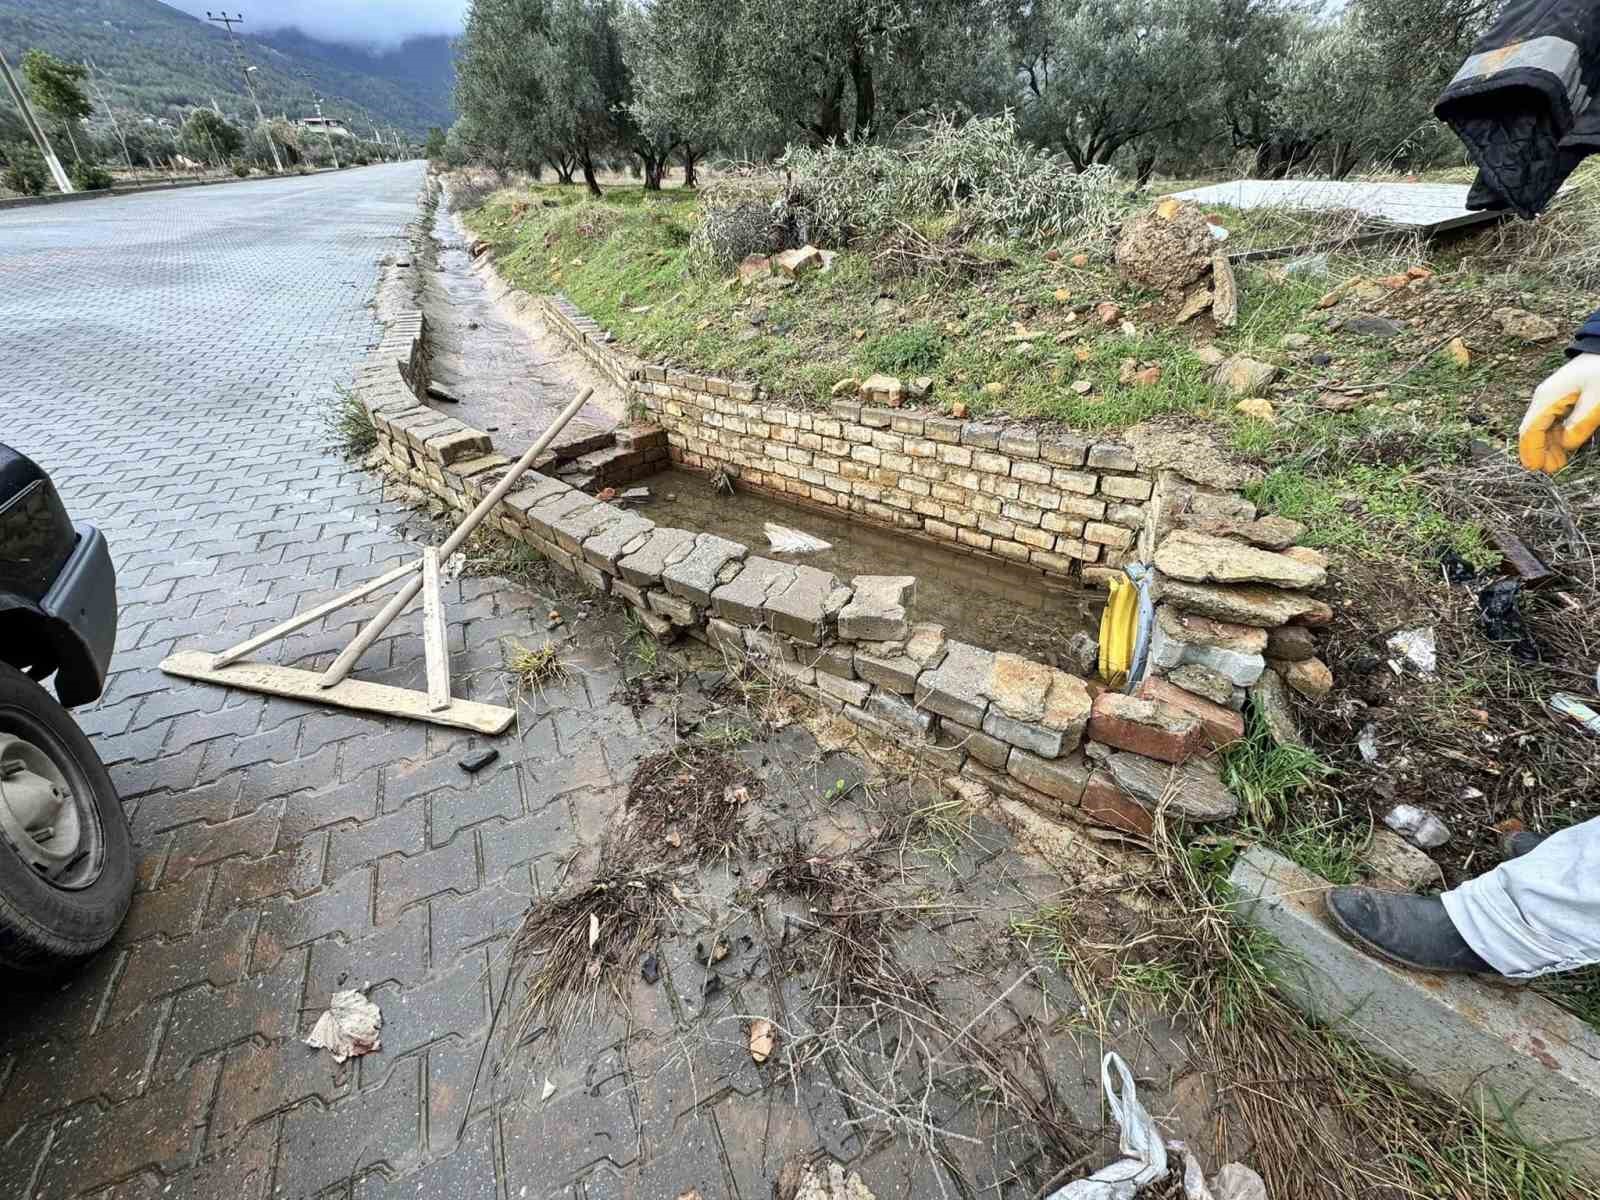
x=34, y=128
x=110, y=112
x=327, y=133
x=238, y=53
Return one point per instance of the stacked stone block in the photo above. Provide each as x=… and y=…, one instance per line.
x=590, y=340
x=1062, y=504
x=1234, y=612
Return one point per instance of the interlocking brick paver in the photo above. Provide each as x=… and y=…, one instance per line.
x=242, y=882
x=158, y=966
x=96, y=1145
x=204, y=1020
x=342, y=907
x=396, y=952
x=171, y=358
x=404, y=881
x=322, y=1146
x=172, y=910
x=196, y=845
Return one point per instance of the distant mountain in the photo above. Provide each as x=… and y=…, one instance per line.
x=160, y=61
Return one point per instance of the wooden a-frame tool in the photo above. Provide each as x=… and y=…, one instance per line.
x=333, y=686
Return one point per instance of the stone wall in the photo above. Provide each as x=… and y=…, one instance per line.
x=1068, y=506
x=1227, y=594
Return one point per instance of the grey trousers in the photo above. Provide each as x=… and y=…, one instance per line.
x=1537, y=913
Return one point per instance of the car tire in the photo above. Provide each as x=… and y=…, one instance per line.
x=47, y=926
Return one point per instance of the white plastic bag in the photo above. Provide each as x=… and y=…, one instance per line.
x=1144, y=1158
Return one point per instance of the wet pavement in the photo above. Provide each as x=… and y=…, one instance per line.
x=986, y=603
x=488, y=351
x=173, y=357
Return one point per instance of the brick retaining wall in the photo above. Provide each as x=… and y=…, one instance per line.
x=1067, y=747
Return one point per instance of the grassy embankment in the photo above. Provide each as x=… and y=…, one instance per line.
x=1389, y=449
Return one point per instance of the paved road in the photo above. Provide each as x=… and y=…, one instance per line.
x=170, y=357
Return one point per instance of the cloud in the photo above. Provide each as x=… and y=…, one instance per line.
x=379, y=23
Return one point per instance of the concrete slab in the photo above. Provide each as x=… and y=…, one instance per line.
x=1461, y=1036
x=1429, y=207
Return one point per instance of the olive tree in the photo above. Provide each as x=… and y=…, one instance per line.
x=56, y=87
x=1103, y=75
x=207, y=135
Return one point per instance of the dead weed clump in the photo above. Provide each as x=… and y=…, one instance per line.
x=880, y=1033
x=693, y=797
x=582, y=946
x=530, y=669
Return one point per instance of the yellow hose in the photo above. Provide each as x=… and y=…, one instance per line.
x=1118, y=626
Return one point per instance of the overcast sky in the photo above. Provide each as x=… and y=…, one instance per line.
x=384, y=23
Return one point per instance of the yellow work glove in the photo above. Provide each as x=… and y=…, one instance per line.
x=1563, y=416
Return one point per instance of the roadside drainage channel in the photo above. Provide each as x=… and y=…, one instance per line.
x=993, y=604
x=1053, y=756
x=1068, y=747
x=499, y=375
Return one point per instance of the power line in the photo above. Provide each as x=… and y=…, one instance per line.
x=228, y=22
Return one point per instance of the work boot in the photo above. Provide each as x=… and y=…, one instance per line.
x=1412, y=931
x=1518, y=842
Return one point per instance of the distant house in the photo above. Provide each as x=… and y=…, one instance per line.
x=329, y=125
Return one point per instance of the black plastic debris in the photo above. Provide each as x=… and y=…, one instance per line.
x=475, y=762
x=650, y=968
x=1500, y=619
x=1456, y=568
x=713, y=986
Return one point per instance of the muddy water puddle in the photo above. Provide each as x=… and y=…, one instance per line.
x=985, y=603
x=508, y=383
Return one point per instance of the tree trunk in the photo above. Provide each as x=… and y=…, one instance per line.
x=830, y=118
x=866, y=94
x=1344, y=159
x=1144, y=169
x=689, y=160
x=589, y=181
x=654, y=166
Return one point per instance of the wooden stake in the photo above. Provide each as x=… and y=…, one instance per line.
x=386, y=615
x=435, y=640
x=235, y=653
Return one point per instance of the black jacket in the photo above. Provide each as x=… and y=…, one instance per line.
x=1523, y=102
x=1524, y=105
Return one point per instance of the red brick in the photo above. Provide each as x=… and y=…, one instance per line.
x=1223, y=725
x=1145, y=727
x=1104, y=803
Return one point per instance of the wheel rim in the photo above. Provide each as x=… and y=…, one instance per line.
x=48, y=817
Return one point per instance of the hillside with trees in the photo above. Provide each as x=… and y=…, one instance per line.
x=154, y=60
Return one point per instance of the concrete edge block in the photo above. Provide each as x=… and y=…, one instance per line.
x=1460, y=1036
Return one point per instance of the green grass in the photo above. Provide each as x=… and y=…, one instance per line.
x=1576, y=991
x=623, y=253
x=1266, y=776
x=351, y=425
x=1371, y=510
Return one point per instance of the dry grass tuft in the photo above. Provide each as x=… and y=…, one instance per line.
x=532, y=669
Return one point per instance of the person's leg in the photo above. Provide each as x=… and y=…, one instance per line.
x=1539, y=912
